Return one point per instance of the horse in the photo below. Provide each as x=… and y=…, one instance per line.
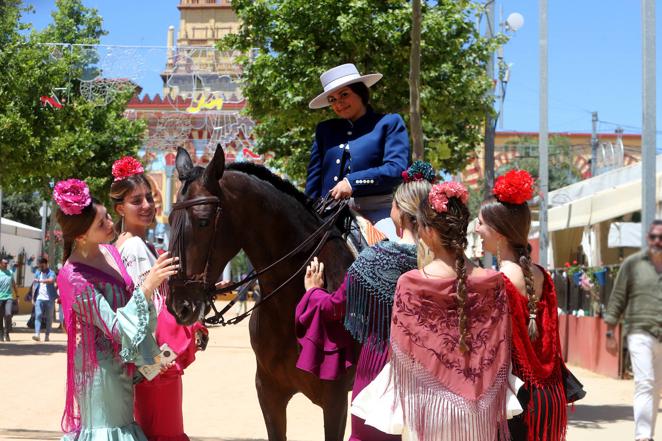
x=219, y=211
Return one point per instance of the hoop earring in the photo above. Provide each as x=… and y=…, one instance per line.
x=498, y=254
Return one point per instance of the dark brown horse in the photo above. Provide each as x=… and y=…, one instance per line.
x=220, y=211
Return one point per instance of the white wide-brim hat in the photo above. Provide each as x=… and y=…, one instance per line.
x=339, y=77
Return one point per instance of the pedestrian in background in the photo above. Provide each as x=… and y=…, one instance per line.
x=8, y=295
x=637, y=296
x=43, y=298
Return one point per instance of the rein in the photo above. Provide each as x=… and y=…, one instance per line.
x=324, y=230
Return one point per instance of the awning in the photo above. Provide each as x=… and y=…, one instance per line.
x=600, y=206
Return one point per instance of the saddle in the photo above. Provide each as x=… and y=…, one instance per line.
x=357, y=231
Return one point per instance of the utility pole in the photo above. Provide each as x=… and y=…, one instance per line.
x=488, y=148
x=648, y=178
x=488, y=162
x=543, y=134
x=595, y=144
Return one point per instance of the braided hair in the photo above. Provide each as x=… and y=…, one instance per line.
x=513, y=222
x=451, y=227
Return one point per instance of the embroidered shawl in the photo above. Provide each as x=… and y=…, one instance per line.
x=371, y=282
x=78, y=284
x=138, y=258
x=445, y=394
x=538, y=363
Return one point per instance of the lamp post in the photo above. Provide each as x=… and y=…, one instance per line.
x=543, y=133
x=648, y=178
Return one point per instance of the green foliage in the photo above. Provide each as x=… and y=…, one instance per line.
x=23, y=208
x=562, y=172
x=43, y=144
x=297, y=40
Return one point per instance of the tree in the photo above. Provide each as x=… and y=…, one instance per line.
x=24, y=208
x=82, y=138
x=562, y=172
x=415, y=82
x=297, y=40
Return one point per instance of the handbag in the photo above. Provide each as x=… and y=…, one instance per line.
x=574, y=389
x=14, y=307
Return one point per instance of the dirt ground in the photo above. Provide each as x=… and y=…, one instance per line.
x=220, y=402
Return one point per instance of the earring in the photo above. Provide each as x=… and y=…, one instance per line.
x=498, y=254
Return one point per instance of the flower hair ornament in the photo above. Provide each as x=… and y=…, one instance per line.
x=441, y=193
x=419, y=171
x=72, y=196
x=126, y=167
x=515, y=187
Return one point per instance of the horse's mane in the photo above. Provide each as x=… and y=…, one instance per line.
x=279, y=183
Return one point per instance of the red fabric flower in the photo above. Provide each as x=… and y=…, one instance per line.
x=515, y=187
x=125, y=167
x=405, y=176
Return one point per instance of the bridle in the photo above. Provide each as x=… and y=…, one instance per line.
x=178, y=248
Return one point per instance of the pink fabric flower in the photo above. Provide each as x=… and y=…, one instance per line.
x=72, y=196
x=125, y=167
x=441, y=193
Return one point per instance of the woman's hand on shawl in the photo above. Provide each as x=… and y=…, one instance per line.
x=314, y=275
x=164, y=267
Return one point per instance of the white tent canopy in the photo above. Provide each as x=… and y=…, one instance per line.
x=600, y=198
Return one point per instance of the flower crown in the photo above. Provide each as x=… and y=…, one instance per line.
x=419, y=171
x=126, y=167
x=515, y=187
x=441, y=193
x=72, y=196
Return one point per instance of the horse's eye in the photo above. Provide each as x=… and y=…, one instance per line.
x=203, y=222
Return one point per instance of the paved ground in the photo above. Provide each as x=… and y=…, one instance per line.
x=220, y=403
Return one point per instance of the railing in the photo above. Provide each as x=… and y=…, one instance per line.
x=573, y=298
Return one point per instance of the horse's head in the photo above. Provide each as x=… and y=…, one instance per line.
x=199, y=236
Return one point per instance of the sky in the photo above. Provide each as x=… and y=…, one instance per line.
x=594, y=58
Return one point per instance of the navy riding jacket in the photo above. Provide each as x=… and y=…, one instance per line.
x=376, y=152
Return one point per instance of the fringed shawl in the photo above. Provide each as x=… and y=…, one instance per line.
x=538, y=363
x=139, y=258
x=445, y=394
x=78, y=284
x=371, y=282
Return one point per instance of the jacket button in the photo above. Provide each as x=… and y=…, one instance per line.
x=335, y=178
x=337, y=161
x=342, y=146
x=349, y=132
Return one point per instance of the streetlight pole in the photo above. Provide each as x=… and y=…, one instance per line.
x=543, y=173
x=648, y=178
x=488, y=161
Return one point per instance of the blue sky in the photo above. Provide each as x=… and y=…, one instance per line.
x=594, y=57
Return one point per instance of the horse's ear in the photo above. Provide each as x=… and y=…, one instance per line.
x=183, y=164
x=215, y=169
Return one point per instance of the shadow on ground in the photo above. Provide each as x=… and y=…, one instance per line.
x=594, y=416
x=9, y=434
x=9, y=348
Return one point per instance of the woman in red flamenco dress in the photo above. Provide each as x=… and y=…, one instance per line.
x=504, y=223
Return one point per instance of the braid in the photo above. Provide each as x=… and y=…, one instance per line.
x=461, y=271
x=525, y=263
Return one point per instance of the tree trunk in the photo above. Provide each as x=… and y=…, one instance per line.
x=415, y=81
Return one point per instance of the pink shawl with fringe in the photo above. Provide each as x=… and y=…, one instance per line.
x=77, y=283
x=445, y=394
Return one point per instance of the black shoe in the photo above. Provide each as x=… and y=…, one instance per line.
x=7, y=336
x=2, y=337
x=47, y=339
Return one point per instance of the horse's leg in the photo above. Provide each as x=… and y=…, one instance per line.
x=273, y=402
x=335, y=415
